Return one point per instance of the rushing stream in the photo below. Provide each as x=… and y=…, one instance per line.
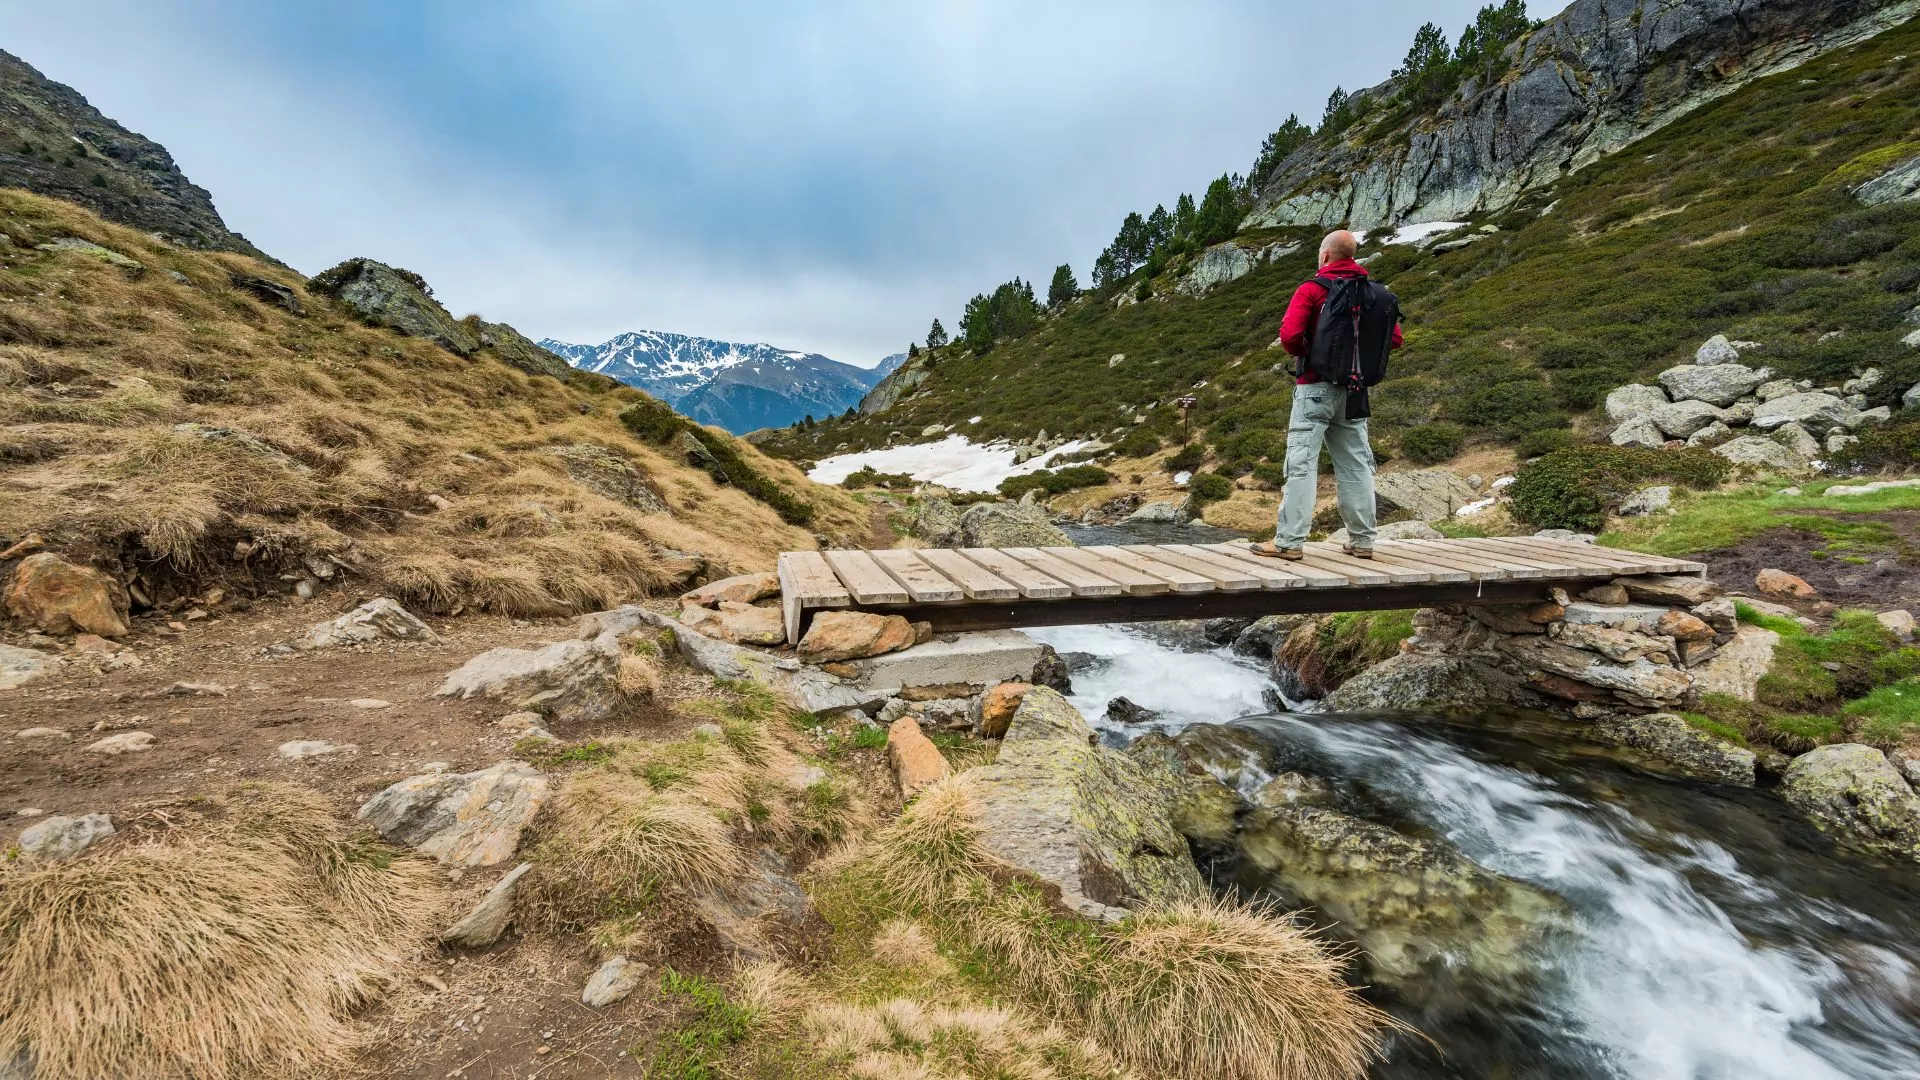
x=1714, y=934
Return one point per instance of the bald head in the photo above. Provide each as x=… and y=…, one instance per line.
x=1339, y=244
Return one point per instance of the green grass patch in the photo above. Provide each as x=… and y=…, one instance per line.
x=1718, y=520
x=551, y=755
x=1579, y=487
x=869, y=738
x=698, y=1048
x=1719, y=730
x=1890, y=714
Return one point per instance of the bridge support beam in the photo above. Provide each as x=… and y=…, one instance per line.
x=986, y=615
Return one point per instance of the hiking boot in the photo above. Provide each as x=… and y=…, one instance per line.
x=1357, y=552
x=1266, y=549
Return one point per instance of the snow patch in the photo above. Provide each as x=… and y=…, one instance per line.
x=955, y=462
x=1473, y=508
x=1413, y=234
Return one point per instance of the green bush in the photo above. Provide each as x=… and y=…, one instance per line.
x=1896, y=444
x=1055, y=481
x=1540, y=443
x=1432, y=444
x=867, y=476
x=1139, y=442
x=1206, y=487
x=716, y=454
x=1576, y=488
x=1189, y=458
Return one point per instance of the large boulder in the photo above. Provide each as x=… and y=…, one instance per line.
x=1900, y=183
x=1640, y=431
x=1425, y=494
x=1814, y=410
x=1797, y=439
x=1633, y=401
x=742, y=624
x=460, y=819
x=520, y=351
x=741, y=589
x=1640, y=682
x=1216, y=266
x=1394, y=530
x=396, y=299
x=1010, y=525
x=1716, y=350
x=1757, y=452
x=1671, y=589
x=853, y=635
x=1673, y=745
x=1737, y=668
x=1854, y=791
x=937, y=523
x=1679, y=419
x=376, y=620
x=59, y=597
x=1414, y=681
x=1715, y=384
x=567, y=680
x=1419, y=910
x=1092, y=821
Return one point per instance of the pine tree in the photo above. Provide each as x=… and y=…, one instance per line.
x=1220, y=213
x=937, y=336
x=1184, y=216
x=1275, y=150
x=1339, y=113
x=1159, y=231
x=1427, y=74
x=1481, y=50
x=1106, y=271
x=1130, y=247
x=1063, y=287
x=913, y=349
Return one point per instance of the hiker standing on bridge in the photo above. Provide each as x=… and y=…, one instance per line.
x=1338, y=328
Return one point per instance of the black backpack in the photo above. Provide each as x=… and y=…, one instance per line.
x=1352, y=337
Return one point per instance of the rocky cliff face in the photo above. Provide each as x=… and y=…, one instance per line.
x=1595, y=78
x=53, y=143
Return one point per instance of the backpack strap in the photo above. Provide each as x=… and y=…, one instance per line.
x=1326, y=287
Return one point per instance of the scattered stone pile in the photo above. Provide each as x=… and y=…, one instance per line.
x=1743, y=413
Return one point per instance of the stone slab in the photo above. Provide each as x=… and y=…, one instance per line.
x=980, y=659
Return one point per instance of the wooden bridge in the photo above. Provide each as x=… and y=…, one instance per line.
x=994, y=588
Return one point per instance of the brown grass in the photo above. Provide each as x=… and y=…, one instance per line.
x=1197, y=988
x=344, y=431
x=234, y=950
x=646, y=819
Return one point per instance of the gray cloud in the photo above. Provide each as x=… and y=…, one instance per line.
x=827, y=176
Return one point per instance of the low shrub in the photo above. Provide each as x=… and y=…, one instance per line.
x=1187, y=459
x=1432, y=444
x=1576, y=488
x=1139, y=442
x=1055, y=481
x=1541, y=443
x=866, y=476
x=716, y=454
x=1894, y=445
x=1206, y=487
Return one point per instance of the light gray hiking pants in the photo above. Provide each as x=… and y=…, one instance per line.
x=1320, y=414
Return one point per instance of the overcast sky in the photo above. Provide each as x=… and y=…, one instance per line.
x=823, y=176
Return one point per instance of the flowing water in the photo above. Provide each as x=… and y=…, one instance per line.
x=1715, y=934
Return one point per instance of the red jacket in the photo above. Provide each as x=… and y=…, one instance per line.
x=1296, y=327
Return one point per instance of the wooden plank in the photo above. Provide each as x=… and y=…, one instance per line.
x=1032, y=584
x=978, y=582
x=924, y=583
x=1512, y=565
x=1083, y=581
x=1268, y=571
x=1182, y=579
x=1229, y=578
x=1314, y=576
x=1435, y=569
x=806, y=582
x=864, y=578
x=1589, y=560
x=1410, y=552
x=1133, y=582
x=1330, y=556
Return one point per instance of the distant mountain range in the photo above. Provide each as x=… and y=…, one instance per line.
x=730, y=385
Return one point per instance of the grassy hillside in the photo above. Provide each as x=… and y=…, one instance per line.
x=1736, y=219
x=164, y=419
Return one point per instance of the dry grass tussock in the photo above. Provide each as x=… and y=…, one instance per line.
x=320, y=434
x=643, y=820
x=231, y=949
x=1199, y=988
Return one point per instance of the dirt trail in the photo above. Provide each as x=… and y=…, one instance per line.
x=509, y=1011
